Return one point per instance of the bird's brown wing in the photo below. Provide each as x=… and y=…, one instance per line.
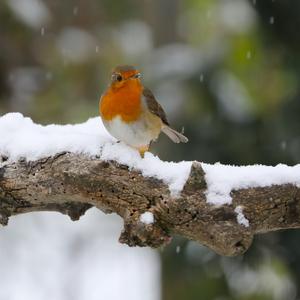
x=154, y=106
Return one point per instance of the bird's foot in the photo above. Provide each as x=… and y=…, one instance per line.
x=142, y=150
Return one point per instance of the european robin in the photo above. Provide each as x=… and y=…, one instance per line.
x=130, y=112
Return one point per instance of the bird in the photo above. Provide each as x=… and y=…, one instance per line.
x=130, y=112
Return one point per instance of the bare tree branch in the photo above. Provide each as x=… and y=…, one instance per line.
x=71, y=184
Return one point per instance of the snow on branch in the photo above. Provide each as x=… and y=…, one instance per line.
x=70, y=168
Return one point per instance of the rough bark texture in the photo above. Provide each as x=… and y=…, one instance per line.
x=71, y=184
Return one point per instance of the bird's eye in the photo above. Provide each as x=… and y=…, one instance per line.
x=137, y=75
x=116, y=77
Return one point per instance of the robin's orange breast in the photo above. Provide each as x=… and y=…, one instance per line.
x=124, y=102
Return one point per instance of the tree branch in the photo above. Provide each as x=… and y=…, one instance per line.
x=71, y=184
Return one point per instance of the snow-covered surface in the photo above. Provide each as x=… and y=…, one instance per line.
x=222, y=179
x=21, y=137
x=241, y=219
x=147, y=217
x=47, y=256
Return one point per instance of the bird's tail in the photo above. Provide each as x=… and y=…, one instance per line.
x=174, y=135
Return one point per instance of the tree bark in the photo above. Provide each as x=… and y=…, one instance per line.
x=72, y=183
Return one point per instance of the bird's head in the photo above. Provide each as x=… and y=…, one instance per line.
x=122, y=75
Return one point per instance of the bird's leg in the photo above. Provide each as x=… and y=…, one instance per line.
x=143, y=149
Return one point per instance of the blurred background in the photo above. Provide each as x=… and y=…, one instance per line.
x=225, y=70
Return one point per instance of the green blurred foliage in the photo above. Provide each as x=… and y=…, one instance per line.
x=227, y=71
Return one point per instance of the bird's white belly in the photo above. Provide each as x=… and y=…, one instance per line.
x=136, y=134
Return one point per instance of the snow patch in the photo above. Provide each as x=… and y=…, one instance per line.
x=222, y=179
x=147, y=218
x=175, y=174
x=241, y=219
x=20, y=137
